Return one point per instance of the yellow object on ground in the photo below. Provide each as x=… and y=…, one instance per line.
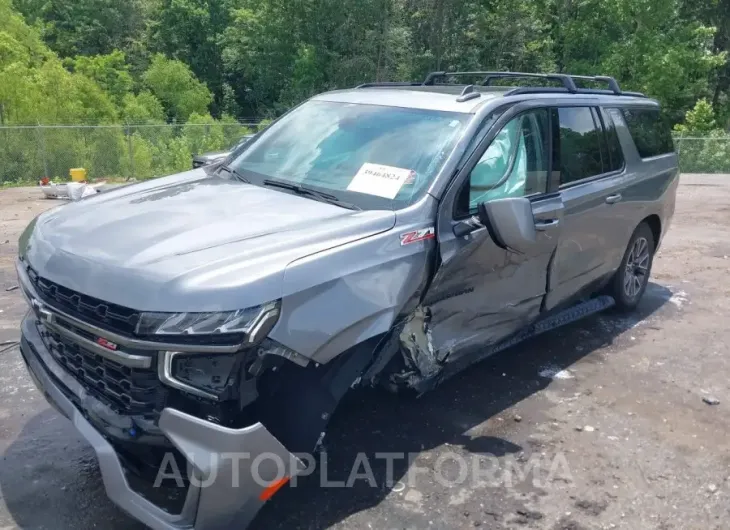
x=77, y=174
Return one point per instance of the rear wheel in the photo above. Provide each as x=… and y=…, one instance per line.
x=632, y=277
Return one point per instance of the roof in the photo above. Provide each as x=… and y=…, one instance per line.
x=445, y=97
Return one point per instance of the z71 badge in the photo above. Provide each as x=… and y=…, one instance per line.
x=418, y=235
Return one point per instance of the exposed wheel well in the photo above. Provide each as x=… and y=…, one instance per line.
x=656, y=227
x=295, y=403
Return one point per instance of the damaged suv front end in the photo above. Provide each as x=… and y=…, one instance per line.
x=127, y=397
x=199, y=330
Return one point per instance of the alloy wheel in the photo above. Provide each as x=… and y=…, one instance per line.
x=637, y=267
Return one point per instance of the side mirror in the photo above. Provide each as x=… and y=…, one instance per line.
x=510, y=222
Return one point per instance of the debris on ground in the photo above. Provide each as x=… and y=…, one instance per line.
x=8, y=345
x=555, y=372
x=530, y=515
x=11, y=288
x=711, y=400
x=591, y=507
x=587, y=428
x=70, y=190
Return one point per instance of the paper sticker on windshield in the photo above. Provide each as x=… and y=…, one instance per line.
x=383, y=181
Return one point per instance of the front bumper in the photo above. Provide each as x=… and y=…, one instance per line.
x=230, y=470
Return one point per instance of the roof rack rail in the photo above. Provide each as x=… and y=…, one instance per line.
x=561, y=90
x=612, y=84
x=388, y=83
x=563, y=79
x=568, y=82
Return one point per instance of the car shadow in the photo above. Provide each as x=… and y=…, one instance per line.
x=373, y=421
x=49, y=476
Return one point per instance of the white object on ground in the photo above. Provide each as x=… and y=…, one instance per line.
x=88, y=190
x=71, y=190
x=55, y=191
x=555, y=372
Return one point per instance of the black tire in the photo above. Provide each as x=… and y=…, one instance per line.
x=630, y=281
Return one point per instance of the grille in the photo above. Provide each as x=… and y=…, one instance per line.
x=96, y=312
x=128, y=391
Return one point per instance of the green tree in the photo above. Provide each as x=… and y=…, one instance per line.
x=190, y=30
x=699, y=121
x=34, y=85
x=143, y=108
x=173, y=83
x=110, y=71
x=86, y=27
x=716, y=14
x=648, y=45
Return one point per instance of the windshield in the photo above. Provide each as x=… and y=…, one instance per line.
x=371, y=156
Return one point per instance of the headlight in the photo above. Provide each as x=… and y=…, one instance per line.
x=201, y=374
x=255, y=322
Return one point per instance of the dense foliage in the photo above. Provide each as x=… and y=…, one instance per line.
x=156, y=61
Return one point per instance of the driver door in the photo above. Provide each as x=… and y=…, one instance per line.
x=482, y=292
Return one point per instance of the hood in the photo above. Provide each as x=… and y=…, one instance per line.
x=189, y=242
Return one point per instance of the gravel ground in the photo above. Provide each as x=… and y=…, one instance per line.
x=601, y=424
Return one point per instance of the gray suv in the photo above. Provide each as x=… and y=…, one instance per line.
x=390, y=234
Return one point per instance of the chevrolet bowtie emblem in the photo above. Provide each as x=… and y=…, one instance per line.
x=43, y=314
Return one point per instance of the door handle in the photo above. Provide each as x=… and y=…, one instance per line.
x=613, y=199
x=544, y=225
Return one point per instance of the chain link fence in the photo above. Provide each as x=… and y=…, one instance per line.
x=709, y=154
x=28, y=153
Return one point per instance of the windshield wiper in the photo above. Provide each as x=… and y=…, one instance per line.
x=315, y=194
x=231, y=171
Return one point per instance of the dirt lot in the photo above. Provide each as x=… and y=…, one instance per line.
x=608, y=414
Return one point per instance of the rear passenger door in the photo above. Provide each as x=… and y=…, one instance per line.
x=590, y=177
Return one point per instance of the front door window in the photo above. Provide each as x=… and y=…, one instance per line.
x=516, y=162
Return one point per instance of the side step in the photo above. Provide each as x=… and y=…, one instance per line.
x=566, y=316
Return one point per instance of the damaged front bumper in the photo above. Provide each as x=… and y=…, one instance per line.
x=231, y=472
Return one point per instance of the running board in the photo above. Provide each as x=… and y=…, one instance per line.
x=564, y=317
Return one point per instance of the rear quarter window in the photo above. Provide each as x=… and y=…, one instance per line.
x=650, y=131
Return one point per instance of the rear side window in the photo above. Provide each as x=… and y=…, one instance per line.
x=580, y=144
x=651, y=133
